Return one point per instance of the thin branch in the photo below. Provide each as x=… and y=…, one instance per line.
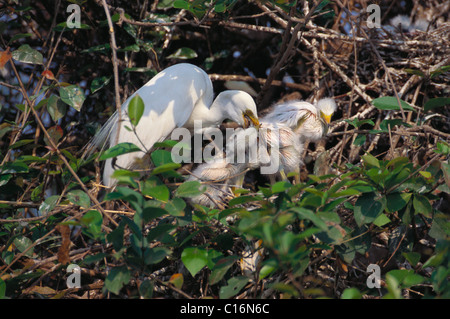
x=115, y=67
x=55, y=147
x=247, y=78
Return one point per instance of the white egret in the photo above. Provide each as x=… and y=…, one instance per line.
x=308, y=121
x=175, y=97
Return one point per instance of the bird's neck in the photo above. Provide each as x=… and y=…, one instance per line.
x=210, y=116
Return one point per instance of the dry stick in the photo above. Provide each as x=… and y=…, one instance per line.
x=349, y=110
x=388, y=74
x=283, y=59
x=379, y=58
x=55, y=147
x=115, y=67
x=247, y=78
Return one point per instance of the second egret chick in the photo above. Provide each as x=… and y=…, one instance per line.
x=308, y=121
x=283, y=151
x=226, y=172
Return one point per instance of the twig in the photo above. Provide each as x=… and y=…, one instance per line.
x=115, y=67
x=247, y=78
x=55, y=147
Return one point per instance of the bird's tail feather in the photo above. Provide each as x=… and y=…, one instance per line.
x=101, y=139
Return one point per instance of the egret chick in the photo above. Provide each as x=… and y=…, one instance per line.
x=175, y=97
x=283, y=150
x=308, y=121
x=226, y=171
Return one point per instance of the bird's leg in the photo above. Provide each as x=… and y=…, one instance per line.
x=297, y=176
x=272, y=179
x=283, y=175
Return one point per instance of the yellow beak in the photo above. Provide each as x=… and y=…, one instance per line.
x=250, y=119
x=327, y=118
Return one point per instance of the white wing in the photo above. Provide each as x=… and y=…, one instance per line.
x=169, y=99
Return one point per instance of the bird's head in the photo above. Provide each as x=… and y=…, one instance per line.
x=326, y=107
x=239, y=107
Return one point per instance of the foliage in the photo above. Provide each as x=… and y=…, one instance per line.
x=145, y=239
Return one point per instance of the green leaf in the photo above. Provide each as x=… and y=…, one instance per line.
x=181, y=4
x=48, y=204
x=146, y=289
x=161, y=157
x=73, y=96
x=56, y=108
x=351, y=293
x=102, y=48
x=220, y=269
x=183, y=54
x=119, y=149
x=155, y=255
x=150, y=213
x=194, y=259
x=381, y=220
x=304, y=213
x=19, y=36
x=390, y=103
x=385, y=124
x=136, y=109
x=14, y=168
x=359, y=140
x=159, y=192
x=4, y=179
x=2, y=289
x=396, y=201
x=436, y=102
x=422, y=205
x=189, y=189
x=165, y=168
x=99, y=83
x=412, y=257
x=234, y=286
x=26, y=54
x=92, y=221
x=117, y=278
x=367, y=208
x=22, y=243
x=79, y=197
x=371, y=160
x=175, y=207
x=281, y=186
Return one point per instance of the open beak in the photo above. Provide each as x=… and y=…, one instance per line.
x=250, y=119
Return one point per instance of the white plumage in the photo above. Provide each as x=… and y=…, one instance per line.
x=308, y=121
x=175, y=97
x=283, y=148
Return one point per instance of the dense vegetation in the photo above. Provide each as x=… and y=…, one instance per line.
x=374, y=192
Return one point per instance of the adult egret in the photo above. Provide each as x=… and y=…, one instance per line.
x=308, y=121
x=175, y=97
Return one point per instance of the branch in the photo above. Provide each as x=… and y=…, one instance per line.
x=115, y=67
x=55, y=147
x=246, y=78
